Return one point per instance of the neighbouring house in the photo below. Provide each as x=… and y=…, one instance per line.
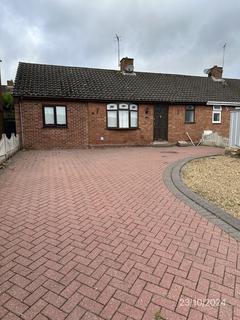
x=61, y=106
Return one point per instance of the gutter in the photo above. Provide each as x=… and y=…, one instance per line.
x=108, y=100
x=223, y=103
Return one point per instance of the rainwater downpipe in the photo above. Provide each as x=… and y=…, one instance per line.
x=21, y=121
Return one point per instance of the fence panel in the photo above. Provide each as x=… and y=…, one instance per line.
x=234, y=136
x=8, y=146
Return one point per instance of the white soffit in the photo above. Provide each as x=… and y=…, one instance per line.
x=223, y=103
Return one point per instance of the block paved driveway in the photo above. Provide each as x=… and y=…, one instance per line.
x=95, y=234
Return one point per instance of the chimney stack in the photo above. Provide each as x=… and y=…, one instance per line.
x=126, y=65
x=10, y=83
x=215, y=72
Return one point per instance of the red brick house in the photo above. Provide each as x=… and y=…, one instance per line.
x=58, y=106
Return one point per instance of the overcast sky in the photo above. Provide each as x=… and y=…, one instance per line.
x=169, y=36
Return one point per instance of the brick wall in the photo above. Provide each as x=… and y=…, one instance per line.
x=36, y=136
x=87, y=124
x=97, y=127
x=203, y=121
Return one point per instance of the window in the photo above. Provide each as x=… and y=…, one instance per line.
x=49, y=115
x=189, y=114
x=217, y=114
x=122, y=116
x=54, y=116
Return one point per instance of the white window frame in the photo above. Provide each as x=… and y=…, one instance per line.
x=120, y=107
x=217, y=110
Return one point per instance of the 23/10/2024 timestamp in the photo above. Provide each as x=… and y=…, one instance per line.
x=183, y=302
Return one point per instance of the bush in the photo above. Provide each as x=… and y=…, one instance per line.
x=7, y=101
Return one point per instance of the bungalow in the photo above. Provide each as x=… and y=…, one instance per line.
x=60, y=106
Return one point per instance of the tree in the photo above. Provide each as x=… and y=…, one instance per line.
x=7, y=99
x=6, y=110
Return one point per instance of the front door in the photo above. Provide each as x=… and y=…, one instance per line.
x=161, y=123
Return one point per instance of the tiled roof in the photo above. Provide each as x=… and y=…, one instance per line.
x=50, y=81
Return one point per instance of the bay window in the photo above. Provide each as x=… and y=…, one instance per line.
x=122, y=116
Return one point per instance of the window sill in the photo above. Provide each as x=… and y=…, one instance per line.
x=122, y=128
x=55, y=127
x=216, y=122
x=189, y=122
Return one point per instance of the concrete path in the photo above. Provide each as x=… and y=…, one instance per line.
x=95, y=234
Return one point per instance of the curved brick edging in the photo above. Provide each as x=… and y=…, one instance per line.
x=218, y=216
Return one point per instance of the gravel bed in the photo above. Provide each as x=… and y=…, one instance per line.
x=217, y=179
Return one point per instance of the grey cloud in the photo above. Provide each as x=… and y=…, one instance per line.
x=173, y=36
